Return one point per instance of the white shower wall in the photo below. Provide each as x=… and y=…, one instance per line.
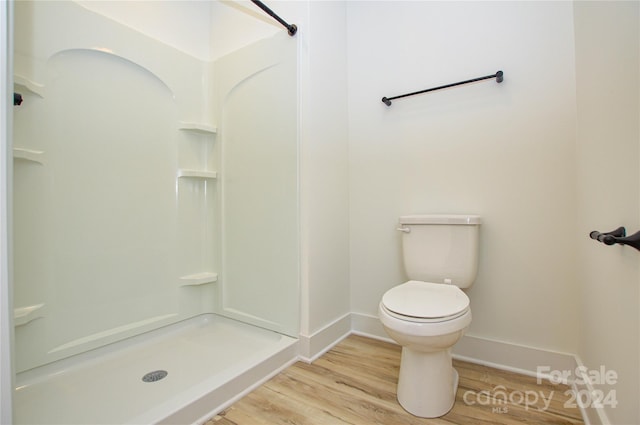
x=111, y=227
x=183, y=25
x=258, y=103
x=118, y=192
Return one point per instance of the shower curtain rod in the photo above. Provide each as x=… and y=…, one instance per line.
x=291, y=28
x=498, y=76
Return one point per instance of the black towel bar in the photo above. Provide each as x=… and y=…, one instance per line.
x=499, y=76
x=618, y=236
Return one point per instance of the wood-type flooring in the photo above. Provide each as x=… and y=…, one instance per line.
x=355, y=383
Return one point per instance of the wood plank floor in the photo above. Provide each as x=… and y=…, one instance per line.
x=355, y=383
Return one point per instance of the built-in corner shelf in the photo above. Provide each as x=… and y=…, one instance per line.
x=32, y=86
x=25, y=315
x=198, y=279
x=31, y=155
x=197, y=174
x=199, y=127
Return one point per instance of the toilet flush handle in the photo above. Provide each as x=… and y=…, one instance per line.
x=404, y=229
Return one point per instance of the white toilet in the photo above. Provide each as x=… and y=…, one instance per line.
x=429, y=314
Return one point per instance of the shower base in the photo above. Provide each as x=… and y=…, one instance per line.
x=209, y=361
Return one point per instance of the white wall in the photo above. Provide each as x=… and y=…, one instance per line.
x=504, y=151
x=325, y=194
x=607, y=72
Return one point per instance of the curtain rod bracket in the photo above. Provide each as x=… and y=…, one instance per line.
x=292, y=29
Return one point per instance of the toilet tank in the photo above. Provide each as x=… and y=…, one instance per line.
x=441, y=248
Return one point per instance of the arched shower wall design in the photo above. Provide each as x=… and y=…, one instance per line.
x=257, y=104
x=114, y=183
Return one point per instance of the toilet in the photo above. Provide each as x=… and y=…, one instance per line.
x=428, y=314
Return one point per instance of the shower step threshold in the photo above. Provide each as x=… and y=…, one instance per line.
x=209, y=361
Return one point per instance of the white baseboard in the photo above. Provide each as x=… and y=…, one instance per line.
x=512, y=357
x=501, y=355
x=310, y=347
x=369, y=326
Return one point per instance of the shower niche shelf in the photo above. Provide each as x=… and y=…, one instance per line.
x=198, y=127
x=25, y=315
x=198, y=279
x=32, y=86
x=31, y=155
x=197, y=174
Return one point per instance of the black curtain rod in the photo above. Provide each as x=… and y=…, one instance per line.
x=291, y=28
x=498, y=76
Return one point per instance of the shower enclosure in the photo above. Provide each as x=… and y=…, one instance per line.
x=153, y=193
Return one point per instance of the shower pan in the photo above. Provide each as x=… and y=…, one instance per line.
x=155, y=220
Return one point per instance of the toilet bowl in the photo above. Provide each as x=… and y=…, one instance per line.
x=426, y=319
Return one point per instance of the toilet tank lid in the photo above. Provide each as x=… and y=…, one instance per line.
x=440, y=219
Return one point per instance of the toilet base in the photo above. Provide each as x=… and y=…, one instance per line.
x=427, y=383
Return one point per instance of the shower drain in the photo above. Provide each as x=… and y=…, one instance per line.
x=154, y=376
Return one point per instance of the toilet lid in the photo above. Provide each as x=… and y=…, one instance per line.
x=425, y=299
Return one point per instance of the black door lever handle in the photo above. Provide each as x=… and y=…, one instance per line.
x=618, y=236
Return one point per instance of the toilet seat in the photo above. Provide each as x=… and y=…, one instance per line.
x=425, y=302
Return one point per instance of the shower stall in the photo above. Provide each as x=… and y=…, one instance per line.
x=155, y=220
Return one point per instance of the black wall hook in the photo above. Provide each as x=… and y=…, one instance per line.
x=618, y=236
